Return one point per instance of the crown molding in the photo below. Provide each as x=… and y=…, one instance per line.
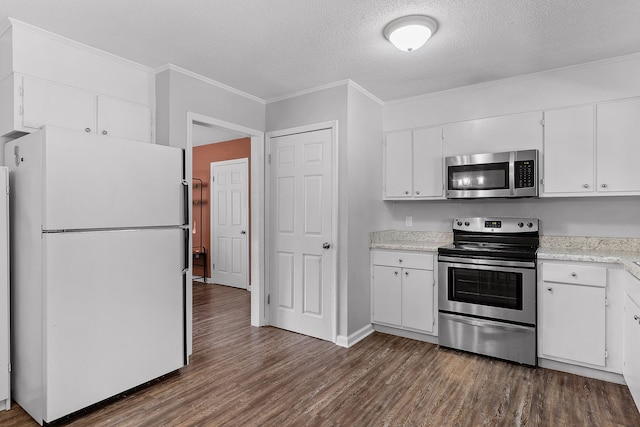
x=346, y=82
x=568, y=68
x=61, y=39
x=207, y=80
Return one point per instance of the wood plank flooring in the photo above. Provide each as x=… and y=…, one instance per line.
x=245, y=376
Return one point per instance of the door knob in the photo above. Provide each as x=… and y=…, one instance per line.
x=326, y=245
x=243, y=232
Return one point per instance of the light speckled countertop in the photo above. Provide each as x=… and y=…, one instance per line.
x=609, y=250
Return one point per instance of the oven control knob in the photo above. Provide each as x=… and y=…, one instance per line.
x=530, y=224
x=521, y=224
x=466, y=223
x=459, y=223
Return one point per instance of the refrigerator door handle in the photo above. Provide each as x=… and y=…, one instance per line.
x=185, y=186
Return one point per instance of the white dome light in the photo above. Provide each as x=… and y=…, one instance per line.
x=410, y=32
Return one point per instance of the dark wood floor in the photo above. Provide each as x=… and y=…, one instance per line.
x=245, y=376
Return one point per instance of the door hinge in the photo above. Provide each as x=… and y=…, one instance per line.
x=9, y=367
x=21, y=90
x=606, y=302
x=213, y=266
x=606, y=354
x=542, y=122
x=434, y=281
x=542, y=181
x=21, y=110
x=269, y=158
x=213, y=179
x=268, y=299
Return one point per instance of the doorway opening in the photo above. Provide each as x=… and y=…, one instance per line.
x=203, y=131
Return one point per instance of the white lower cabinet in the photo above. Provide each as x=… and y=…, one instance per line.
x=631, y=369
x=579, y=313
x=403, y=290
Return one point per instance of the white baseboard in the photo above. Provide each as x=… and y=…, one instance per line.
x=355, y=337
x=5, y=404
x=582, y=371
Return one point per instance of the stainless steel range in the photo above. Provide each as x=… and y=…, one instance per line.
x=487, y=288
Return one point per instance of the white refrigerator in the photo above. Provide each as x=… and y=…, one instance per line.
x=99, y=260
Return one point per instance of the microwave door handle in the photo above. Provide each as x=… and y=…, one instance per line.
x=512, y=173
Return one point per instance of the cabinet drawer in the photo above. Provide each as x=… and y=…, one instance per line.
x=578, y=274
x=403, y=259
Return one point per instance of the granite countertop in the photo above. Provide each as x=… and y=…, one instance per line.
x=610, y=250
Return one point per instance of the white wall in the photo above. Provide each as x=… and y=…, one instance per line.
x=367, y=211
x=184, y=93
x=587, y=83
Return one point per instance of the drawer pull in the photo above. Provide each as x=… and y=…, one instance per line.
x=400, y=261
x=573, y=274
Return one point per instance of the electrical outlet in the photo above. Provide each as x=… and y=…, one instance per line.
x=408, y=221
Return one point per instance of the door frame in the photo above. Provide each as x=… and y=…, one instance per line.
x=258, y=296
x=212, y=165
x=333, y=126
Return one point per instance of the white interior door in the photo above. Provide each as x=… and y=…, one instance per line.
x=301, y=256
x=229, y=223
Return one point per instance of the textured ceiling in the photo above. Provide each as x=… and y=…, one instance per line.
x=270, y=48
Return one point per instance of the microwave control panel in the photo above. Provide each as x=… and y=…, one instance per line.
x=524, y=175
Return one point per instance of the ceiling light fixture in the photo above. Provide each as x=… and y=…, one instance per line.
x=410, y=32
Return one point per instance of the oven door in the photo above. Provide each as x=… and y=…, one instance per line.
x=494, y=289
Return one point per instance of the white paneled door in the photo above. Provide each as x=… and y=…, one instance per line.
x=301, y=255
x=229, y=223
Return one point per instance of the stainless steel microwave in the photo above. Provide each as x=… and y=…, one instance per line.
x=508, y=174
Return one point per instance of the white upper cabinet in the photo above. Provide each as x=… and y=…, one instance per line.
x=413, y=164
x=569, y=150
x=49, y=80
x=618, y=146
x=49, y=103
x=592, y=150
x=123, y=119
x=398, y=153
x=427, y=162
x=493, y=135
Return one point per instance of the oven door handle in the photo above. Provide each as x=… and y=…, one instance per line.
x=498, y=263
x=482, y=322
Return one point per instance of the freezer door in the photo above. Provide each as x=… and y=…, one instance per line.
x=95, y=181
x=114, y=314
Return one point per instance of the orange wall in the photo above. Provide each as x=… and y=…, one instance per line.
x=202, y=158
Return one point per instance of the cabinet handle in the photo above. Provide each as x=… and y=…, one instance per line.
x=406, y=273
x=604, y=186
x=417, y=192
x=550, y=289
x=406, y=192
x=636, y=318
x=573, y=274
x=586, y=185
x=87, y=129
x=104, y=132
x=400, y=261
x=395, y=272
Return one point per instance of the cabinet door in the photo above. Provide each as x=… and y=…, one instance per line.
x=618, y=146
x=417, y=299
x=631, y=368
x=398, y=175
x=48, y=103
x=493, y=135
x=387, y=295
x=427, y=162
x=124, y=119
x=573, y=322
x=568, y=150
